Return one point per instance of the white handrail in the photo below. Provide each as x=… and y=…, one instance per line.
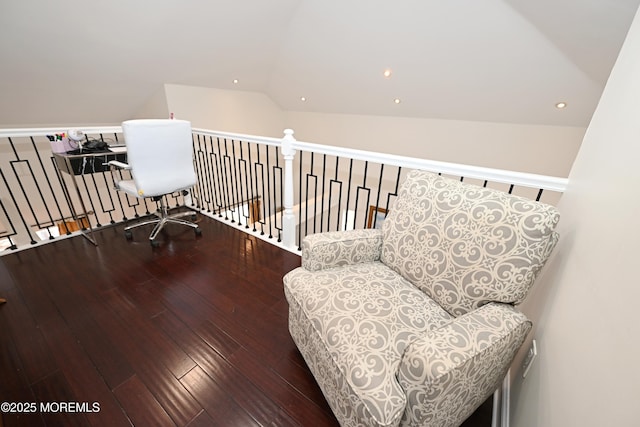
x=26, y=132
x=240, y=137
x=522, y=179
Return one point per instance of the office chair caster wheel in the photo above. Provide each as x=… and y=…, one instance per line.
x=198, y=232
x=154, y=244
x=128, y=234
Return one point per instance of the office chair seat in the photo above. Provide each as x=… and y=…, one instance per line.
x=128, y=186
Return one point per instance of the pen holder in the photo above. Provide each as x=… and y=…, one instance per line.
x=63, y=145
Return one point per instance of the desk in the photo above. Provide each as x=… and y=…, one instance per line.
x=82, y=164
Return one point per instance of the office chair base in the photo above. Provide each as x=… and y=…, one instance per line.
x=162, y=218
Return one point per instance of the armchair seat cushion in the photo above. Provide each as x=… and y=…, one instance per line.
x=365, y=315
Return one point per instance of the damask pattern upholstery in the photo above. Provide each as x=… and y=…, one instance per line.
x=414, y=324
x=445, y=372
x=367, y=315
x=465, y=245
x=335, y=249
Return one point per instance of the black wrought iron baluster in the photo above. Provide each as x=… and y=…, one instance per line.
x=25, y=194
x=252, y=187
x=324, y=170
x=111, y=210
x=332, y=182
x=346, y=218
x=244, y=184
x=310, y=177
x=203, y=185
x=98, y=165
x=364, y=188
x=395, y=191
x=200, y=177
x=374, y=220
x=237, y=184
x=216, y=153
x=11, y=225
x=268, y=175
x=260, y=174
x=225, y=179
x=53, y=192
x=212, y=162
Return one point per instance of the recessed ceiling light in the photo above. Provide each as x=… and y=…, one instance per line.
x=387, y=73
x=561, y=105
x=235, y=81
x=397, y=100
x=303, y=99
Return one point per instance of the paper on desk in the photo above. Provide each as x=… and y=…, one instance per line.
x=119, y=149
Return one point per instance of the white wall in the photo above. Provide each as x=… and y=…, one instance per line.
x=155, y=107
x=547, y=150
x=585, y=305
x=225, y=110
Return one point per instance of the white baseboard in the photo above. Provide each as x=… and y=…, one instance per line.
x=495, y=415
x=501, y=402
x=505, y=402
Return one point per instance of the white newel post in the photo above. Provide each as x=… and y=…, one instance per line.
x=288, y=219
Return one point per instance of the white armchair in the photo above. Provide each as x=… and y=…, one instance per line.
x=415, y=324
x=160, y=159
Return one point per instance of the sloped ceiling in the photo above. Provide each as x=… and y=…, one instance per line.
x=76, y=61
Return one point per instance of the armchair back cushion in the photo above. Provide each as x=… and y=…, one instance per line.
x=466, y=245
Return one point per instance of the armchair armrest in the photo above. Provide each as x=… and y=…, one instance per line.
x=338, y=248
x=449, y=372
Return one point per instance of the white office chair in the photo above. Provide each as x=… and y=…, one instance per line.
x=160, y=158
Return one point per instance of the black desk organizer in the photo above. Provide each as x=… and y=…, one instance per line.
x=95, y=163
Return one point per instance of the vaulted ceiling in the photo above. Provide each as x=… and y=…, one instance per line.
x=78, y=61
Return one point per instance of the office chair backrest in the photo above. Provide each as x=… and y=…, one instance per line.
x=160, y=154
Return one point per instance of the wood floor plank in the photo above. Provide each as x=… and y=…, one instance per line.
x=203, y=420
x=156, y=345
x=20, y=327
x=215, y=400
x=57, y=404
x=187, y=306
x=141, y=407
x=14, y=379
x=147, y=362
x=232, y=381
x=75, y=296
x=14, y=385
x=246, y=395
x=288, y=398
x=105, y=354
x=292, y=369
x=83, y=377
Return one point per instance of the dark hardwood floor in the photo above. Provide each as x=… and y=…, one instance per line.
x=191, y=333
